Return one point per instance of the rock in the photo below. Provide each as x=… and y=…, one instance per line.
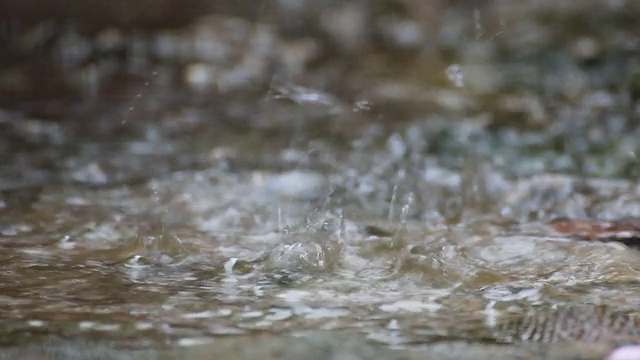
x=626, y=231
x=588, y=323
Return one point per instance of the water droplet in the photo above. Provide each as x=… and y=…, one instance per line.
x=392, y=204
x=229, y=264
x=455, y=75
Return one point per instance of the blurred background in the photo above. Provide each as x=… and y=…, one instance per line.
x=494, y=63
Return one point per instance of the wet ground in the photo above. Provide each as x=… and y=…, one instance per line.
x=337, y=178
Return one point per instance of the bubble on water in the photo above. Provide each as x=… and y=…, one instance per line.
x=455, y=75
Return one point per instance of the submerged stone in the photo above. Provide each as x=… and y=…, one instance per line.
x=588, y=323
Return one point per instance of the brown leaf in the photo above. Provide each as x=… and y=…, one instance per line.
x=626, y=231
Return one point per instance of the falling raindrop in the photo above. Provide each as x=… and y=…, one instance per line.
x=341, y=225
x=136, y=99
x=404, y=212
x=392, y=204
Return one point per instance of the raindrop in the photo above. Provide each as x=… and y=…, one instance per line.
x=136, y=99
x=392, y=204
x=401, y=230
x=455, y=75
x=406, y=208
x=342, y=226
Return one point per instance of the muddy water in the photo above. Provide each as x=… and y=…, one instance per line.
x=365, y=172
